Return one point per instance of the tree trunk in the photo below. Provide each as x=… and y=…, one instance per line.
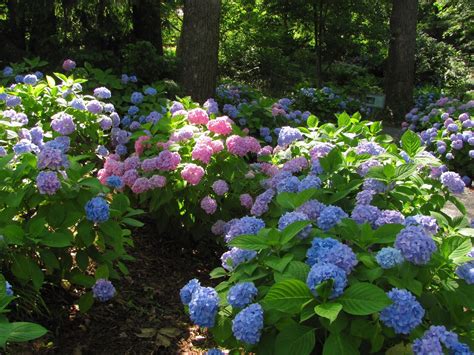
x=400, y=69
x=147, y=22
x=198, y=48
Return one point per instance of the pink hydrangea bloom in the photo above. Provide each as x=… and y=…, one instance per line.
x=132, y=162
x=242, y=145
x=218, y=227
x=113, y=167
x=246, y=201
x=157, y=181
x=114, y=157
x=102, y=175
x=252, y=144
x=180, y=112
x=129, y=177
x=140, y=144
x=220, y=187
x=168, y=161
x=217, y=146
x=164, y=145
x=269, y=169
x=296, y=165
x=192, y=173
x=209, y=205
x=198, y=116
x=202, y=152
x=149, y=164
x=267, y=150
x=141, y=185
x=183, y=134
x=69, y=65
x=220, y=125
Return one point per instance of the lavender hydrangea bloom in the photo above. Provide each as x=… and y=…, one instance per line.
x=235, y=256
x=292, y=217
x=416, y=246
x=97, y=210
x=102, y=93
x=453, y=182
x=24, y=146
x=78, y=104
x=94, y=106
x=52, y=158
x=288, y=135
x=366, y=166
x=187, y=291
x=321, y=272
x=241, y=294
x=105, y=123
x=389, y=217
x=244, y=225
x=365, y=214
x=289, y=184
x=330, y=216
x=30, y=79
x=431, y=342
x=103, y=290
x=3, y=151
x=429, y=224
x=48, y=182
x=37, y=136
x=102, y=151
x=404, y=314
x=374, y=185
x=63, y=123
x=372, y=148
x=248, y=323
x=331, y=251
x=365, y=197
x=261, y=203
x=220, y=187
x=204, y=306
x=211, y=106
x=312, y=209
x=13, y=101
x=136, y=98
x=309, y=182
x=466, y=272
x=389, y=257
x=176, y=106
x=121, y=149
x=62, y=143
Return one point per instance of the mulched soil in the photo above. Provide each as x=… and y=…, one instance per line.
x=146, y=316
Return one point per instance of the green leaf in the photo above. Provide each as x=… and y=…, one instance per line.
x=387, y=233
x=21, y=331
x=26, y=269
x=60, y=239
x=295, y=339
x=102, y=272
x=218, y=273
x=287, y=296
x=120, y=203
x=328, y=310
x=312, y=121
x=249, y=242
x=402, y=172
x=296, y=270
x=292, y=230
x=111, y=228
x=278, y=263
x=339, y=344
x=343, y=120
x=363, y=298
x=13, y=234
x=410, y=142
x=51, y=82
x=133, y=222
x=85, y=302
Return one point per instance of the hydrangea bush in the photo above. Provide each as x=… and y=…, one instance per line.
x=57, y=222
x=446, y=128
x=361, y=260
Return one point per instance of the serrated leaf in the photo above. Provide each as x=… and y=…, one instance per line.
x=363, y=299
x=249, y=242
x=287, y=296
x=328, y=310
x=295, y=339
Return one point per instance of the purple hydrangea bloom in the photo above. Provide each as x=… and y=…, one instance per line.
x=288, y=135
x=389, y=217
x=78, y=104
x=292, y=217
x=309, y=182
x=105, y=123
x=63, y=123
x=372, y=148
x=8, y=289
x=365, y=214
x=102, y=151
x=241, y=294
x=330, y=216
x=453, y=182
x=103, y=290
x=62, y=143
x=321, y=272
x=102, y=93
x=176, y=106
x=374, y=185
x=366, y=166
x=37, y=136
x=204, y=306
x=248, y=323
x=52, y=158
x=121, y=149
x=288, y=184
x=235, y=256
x=24, y=146
x=321, y=149
x=94, y=106
x=429, y=224
x=187, y=291
x=312, y=209
x=48, y=182
x=97, y=210
x=220, y=187
x=262, y=201
x=13, y=101
x=3, y=152
x=389, y=257
x=431, y=342
x=211, y=106
x=466, y=272
x=404, y=314
x=365, y=197
x=331, y=251
x=416, y=246
x=244, y=225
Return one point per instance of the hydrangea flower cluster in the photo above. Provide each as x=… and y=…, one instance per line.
x=415, y=245
x=389, y=257
x=203, y=306
x=241, y=294
x=103, y=290
x=433, y=340
x=292, y=217
x=321, y=272
x=404, y=314
x=331, y=251
x=97, y=210
x=330, y=216
x=288, y=135
x=248, y=323
x=466, y=272
x=245, y=225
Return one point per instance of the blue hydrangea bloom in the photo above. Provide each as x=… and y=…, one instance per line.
x=292, y=217
x=214, y=351
x=37, y=135
x=264, y=131
x=24, y=146
x=211, y=106
x=150, y=91
x=132, y=110
x=453, y=182
x=7, y=71
x=365, y=197
x=235, y=256
x=466, y=272
x=309, y=182
x=78, y=104
x=389, y=217
x=176, y=106
x=97, y=210
x=389, y=257
x=288, y=135
x=187, y=291
x=404, y=314
x=289, y=184
x=428, y=223
x=365, y=214
x=3, y=151
x=416, y=246
x=330, y=216
x=241, y=294
x=30, y=79
x=102, y=93
x=13, y=101
x=115, y=182
x=331, y=251
x=311, y=209
x=204, y=306
x=244, y=225
x=102, y=151
x=374, y=185
x=248, y=323
x=136, y=98
x=321, y=272
x=431, y=342
x=9, y=289
x=103, y=290
x=372, y=148
x=121, y=149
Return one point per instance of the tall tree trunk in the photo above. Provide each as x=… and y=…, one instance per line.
x=198, y=48
x=146, y=18
x=400, y=70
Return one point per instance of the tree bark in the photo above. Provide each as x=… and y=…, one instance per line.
x=147, y=22
x=400, y=69
x=198, y=48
